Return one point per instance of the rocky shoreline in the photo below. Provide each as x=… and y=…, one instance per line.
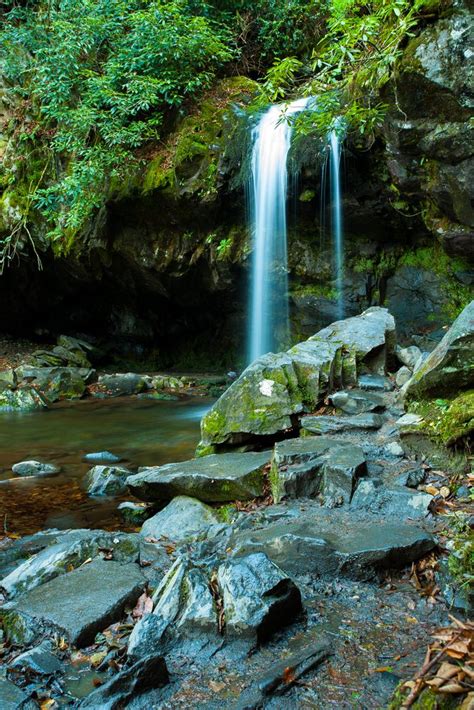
x=276, y=565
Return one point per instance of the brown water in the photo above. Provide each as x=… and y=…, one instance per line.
x=142, y=432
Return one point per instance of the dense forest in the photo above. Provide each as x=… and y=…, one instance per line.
x=236, y=354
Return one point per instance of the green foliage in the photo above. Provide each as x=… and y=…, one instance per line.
x=449, y=421
x=351, y=64
x=100, y=78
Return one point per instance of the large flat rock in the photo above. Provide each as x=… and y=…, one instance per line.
x=80, y=603
x=307, y=539
x=213, y=479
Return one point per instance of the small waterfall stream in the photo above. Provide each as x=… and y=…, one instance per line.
x=269, y=318
x=336, y=216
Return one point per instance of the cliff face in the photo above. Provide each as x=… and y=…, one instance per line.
x=165, y=261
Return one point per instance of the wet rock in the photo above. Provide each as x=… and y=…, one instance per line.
x=101, y=457
x=80, y=603
x=450, y=366
x=377, y=383
x=372, y=496
x=357, y=401
x=39, y=660
x=24, y=399
x=58, y=558
x=182, y=519
x=134, y=513
x=297, y=465
x=183, y=608
x=308, y=466
x=78, y=345
x=332, y=425
x=412, y=478
x=146, y=674
x=7, y=379
x=106, y=480
x=283, y=676
x=123, y=383
x=372, y=336
x=274, y=389
x=394, y=449
x=402, y=376
x=216, y=478
x=344, y=466
x=13, y=698
x=409, y=356
x=308, y=539
x=57, y=382
x=35, y=468
x=74, y=358
x=258, y=597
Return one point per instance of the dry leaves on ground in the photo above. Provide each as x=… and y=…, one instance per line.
x=449, y=663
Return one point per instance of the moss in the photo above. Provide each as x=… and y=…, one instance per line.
x=449, y=421
x=226, y=513
x=189, y=161
x=318, y=290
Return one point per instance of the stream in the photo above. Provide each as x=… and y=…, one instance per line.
x=141, y=432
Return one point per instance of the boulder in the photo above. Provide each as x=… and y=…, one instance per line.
x=67, y=552
x=375, y=497
x=357, y=401
x=57, y=382
x=123, y=383
x=257, y=596
x=304, y=538
x=24, y=399
x=106, y=480
x=35, y=468
x=182, y=519
x=77, y=604
x=308, y=466
x=332, y=425
x=183, y=608
x=275, y=389
x=342, y=470
x=450, y=366
x=128, y=684
x=213, y=479
x=40, y=660
x=409, y=356
x=134, y=513
x=72, y=357
x=7, y=379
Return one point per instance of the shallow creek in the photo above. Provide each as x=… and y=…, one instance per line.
x=142, y=432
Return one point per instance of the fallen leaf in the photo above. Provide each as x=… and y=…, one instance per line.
x=97, y=658
x=143, y=607
x=444, y=491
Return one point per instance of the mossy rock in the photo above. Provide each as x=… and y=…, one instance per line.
x=190, y=161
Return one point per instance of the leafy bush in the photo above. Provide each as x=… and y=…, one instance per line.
x=100, y=78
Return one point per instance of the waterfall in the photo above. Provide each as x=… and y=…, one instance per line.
x=269, y=316
x=336, y=215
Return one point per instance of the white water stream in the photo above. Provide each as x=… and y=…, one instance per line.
x=269, y=318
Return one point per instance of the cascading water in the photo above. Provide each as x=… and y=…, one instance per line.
x=336, y=215
x=269, y=317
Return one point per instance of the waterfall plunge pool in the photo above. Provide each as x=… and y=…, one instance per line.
x=141, y=432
